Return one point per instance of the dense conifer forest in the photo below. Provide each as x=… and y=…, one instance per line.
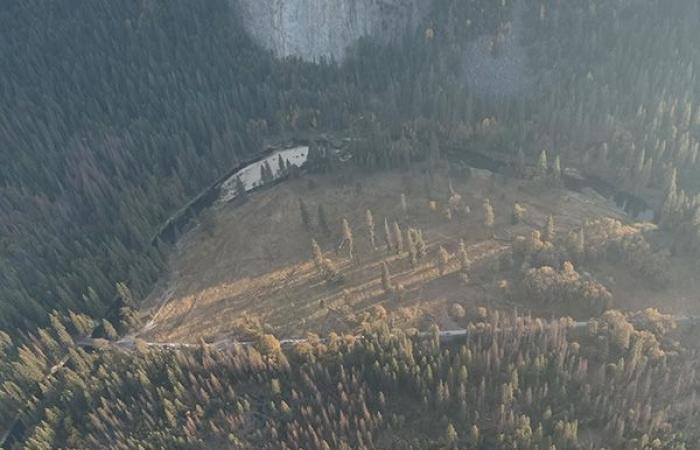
x=513, y=382
x=114, y=115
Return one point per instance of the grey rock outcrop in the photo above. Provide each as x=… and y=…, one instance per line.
x=312, y=29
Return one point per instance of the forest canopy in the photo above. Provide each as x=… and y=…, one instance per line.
x=115, y=115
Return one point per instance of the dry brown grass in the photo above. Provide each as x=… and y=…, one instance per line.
x=254, y=274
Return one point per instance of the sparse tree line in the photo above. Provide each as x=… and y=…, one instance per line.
x=547, y=264
x=405, y=246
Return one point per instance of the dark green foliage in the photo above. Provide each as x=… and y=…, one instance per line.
x=115, y=115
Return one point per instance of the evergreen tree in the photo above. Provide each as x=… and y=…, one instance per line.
x=443, y=259
x=325, y=266
x=330, y=272
x=269, y=345
x=398, y=237
x=386, y=279
x=387, y=236
x=370, y=229
x=451, y=437
x=556, y=170
x=270, y=175
x=474, y=435
x=317, y=255
x=125, y=295
x=580, y=248
x=669, y=210
x=63, y=336
x=489, y=216
x=347, y=238
x=521, y=163
x=549, y=232
x=421, y=248
x=241, y=191
x=264, y=178
x=412, y=250
x=542, y=165
x=518, y=214
x=464, y=261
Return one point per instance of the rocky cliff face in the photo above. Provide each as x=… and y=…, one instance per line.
x=312, y=29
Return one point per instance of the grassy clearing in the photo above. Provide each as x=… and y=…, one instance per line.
x=252, y=271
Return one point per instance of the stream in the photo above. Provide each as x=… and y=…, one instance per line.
x=633, y=205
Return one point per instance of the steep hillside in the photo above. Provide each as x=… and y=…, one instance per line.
x=313, y=29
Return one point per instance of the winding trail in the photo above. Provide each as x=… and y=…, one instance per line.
x=128, y=343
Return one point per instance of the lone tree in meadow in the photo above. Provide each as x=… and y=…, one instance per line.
x=556, y=170
x=387, y=236
x=330, y=273
x=464, y=261
x=489, y=216
x=269, y=345
x=347, y=238
x=549, y=233
x=386, y=279
x=412, y=251
x=398, y=237
x=325, y=266
x=370, y=229
x=317, y=254
x=542, y=165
